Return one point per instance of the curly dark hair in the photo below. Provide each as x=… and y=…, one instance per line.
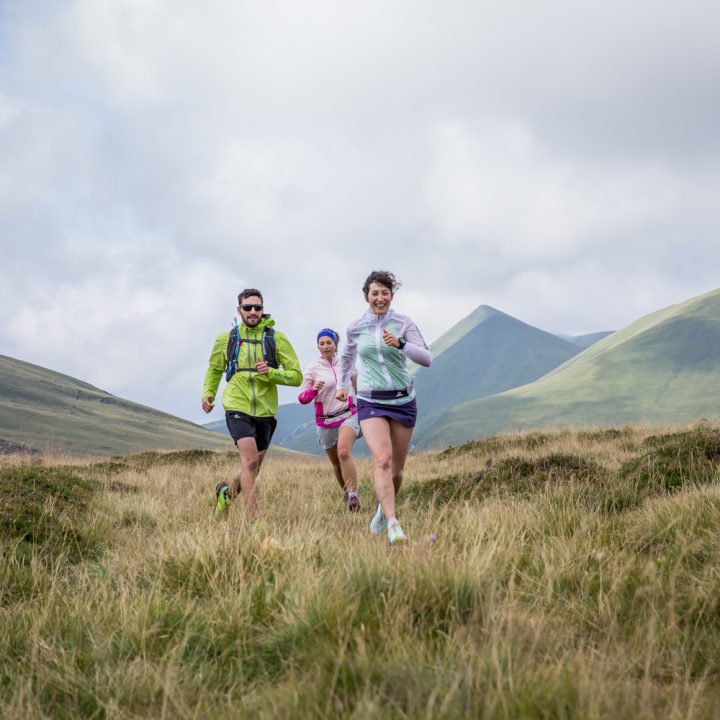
x=249, y=292
x=381, y=277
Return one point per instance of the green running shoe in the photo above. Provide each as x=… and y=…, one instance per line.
x=222, y=498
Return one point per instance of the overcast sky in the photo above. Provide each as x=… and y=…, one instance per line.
x=556, y=160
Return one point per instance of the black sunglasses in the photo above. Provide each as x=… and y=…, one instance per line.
x=247, y=308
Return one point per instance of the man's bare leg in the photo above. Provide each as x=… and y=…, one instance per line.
x=250, y=463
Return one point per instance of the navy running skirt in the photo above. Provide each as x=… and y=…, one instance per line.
x=405, y=413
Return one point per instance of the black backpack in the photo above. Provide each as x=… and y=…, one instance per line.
x=269, y=350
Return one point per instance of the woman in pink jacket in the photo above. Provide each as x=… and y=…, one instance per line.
x=336, y=421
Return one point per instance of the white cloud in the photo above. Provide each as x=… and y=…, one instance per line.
x=558, y=162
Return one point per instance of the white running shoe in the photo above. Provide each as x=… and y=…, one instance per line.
x=396, y=534
x=378, y=523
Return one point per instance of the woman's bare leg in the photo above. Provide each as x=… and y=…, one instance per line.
x=332, y=454
x=400, y=437
x=377, y=436
x=346, y=439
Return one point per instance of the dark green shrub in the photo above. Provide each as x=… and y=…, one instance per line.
x=672, y=461
x=45, y=508
x=516, y=475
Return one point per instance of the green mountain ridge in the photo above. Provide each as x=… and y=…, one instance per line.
x=663, y=368
x=496, y=352
x=45, y=411
x=462, y=328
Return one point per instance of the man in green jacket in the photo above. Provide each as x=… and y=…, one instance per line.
x=250, y=397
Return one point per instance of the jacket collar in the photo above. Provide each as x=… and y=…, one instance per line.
x=382, y=319
x=265, y=322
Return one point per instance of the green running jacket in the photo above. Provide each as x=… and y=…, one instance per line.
x=248, y=391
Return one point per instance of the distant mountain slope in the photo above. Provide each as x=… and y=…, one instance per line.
x=460, y=329
x=301, y=436
x=217, y=426
x=585, y=341
x=495, y=352
x=663, y=368
x=48, y=411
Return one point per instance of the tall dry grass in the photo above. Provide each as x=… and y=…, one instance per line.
x=575, y=575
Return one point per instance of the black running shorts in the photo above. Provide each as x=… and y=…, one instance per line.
x=241, y=425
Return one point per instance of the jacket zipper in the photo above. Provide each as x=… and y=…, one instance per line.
x=252, y=379
x=381, y=359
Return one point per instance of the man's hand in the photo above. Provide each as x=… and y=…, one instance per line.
x=207, y=403
x=262, y=367
x=319, y=385
x=390, y=339
x=342, y=395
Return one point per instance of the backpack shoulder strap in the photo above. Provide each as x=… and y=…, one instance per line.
x=233, y=352
x=269, y=347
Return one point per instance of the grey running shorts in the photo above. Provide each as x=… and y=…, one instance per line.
x=328, y=437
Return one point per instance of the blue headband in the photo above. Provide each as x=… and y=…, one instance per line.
x=328, y=333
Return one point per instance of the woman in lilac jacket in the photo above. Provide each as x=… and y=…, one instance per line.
x=384, y=340
x=336, y=421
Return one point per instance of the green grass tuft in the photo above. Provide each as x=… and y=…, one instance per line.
x=529, y=441
x=43, y=508
x=515, y=475
x=676, y=460
x=151, y=459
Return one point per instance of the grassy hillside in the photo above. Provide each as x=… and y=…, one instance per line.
x=574, y=575
x=50, y=412
x=664, y=368
x=495, y=354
